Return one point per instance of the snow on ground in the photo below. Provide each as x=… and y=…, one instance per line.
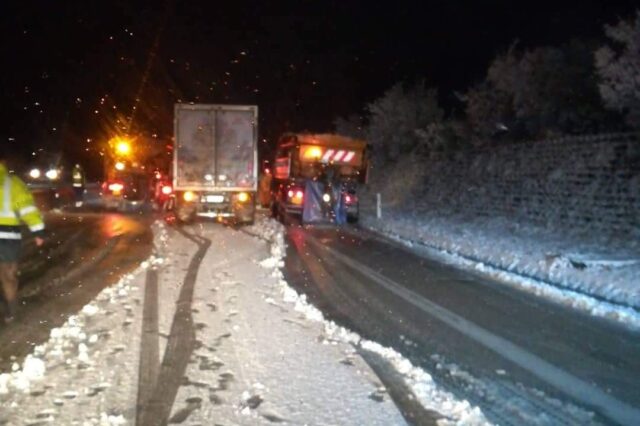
x=257, y=359
x=600, y=276
x=262, y=353
x=72, y=379
x=429, y=394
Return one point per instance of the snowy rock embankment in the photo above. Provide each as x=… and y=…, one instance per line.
x=602, y=277
x=562, y=212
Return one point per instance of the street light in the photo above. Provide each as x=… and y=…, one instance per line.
x=123, y=147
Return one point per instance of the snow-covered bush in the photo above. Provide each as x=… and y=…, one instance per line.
x=400, y=181
x=397, y=118
x=618, y=66
x=539, y=93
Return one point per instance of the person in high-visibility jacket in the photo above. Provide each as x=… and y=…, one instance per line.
x=17, y=207
x=78, y=182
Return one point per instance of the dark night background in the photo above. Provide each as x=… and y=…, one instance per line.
x=72, y=69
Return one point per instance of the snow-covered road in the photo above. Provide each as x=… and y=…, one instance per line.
x=207, y=332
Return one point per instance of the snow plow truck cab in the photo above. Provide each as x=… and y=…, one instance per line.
x=318, y=176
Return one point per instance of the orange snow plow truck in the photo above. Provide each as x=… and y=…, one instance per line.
x=317, y=177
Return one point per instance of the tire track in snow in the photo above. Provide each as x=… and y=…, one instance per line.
x=180, y=345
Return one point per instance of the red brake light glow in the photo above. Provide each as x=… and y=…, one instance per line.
x=166, y=190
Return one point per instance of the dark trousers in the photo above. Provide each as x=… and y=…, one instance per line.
x=9, y=283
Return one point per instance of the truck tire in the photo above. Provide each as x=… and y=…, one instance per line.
x=246, y=215
x=185, y=214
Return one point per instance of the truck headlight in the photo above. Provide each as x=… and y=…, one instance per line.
x=34, y=173
x=243, y=197
x=189, y=196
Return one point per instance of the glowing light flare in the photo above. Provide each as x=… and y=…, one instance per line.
x=120, y=166
x=243, y=197
x=189, y=196
x=123, y=148
x=115, y=187
x=296, y=196
x=52, y=174
x=34, y=173
x=311, y=152
x=326, y=198
x=167, y=190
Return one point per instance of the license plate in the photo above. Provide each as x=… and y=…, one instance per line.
x=214, y=198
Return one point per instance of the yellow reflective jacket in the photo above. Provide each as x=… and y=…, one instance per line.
x=16, y=207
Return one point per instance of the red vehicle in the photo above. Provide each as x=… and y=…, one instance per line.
x=338, y=163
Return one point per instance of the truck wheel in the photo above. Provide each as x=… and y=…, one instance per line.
x=245, y=219
x=185, y=215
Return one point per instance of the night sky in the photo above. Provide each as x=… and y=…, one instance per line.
x=72, y=70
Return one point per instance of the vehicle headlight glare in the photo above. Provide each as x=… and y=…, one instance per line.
x=52, y=174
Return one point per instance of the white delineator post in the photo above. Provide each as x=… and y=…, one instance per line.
x=378, y=206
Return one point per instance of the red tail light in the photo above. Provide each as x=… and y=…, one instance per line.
x=350, y=199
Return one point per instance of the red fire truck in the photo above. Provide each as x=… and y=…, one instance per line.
x=322, y=170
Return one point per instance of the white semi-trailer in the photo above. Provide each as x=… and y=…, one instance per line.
x=215, y=161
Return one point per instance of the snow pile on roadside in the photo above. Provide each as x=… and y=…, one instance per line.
x=70, y=367
x=71, y=379
x=270, y=231
x=529, y=257
x=68, y=345
x=454, y=410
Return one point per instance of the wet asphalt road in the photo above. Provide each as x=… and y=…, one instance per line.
x=511, y=344
x=83, y=254
x=507, y=346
